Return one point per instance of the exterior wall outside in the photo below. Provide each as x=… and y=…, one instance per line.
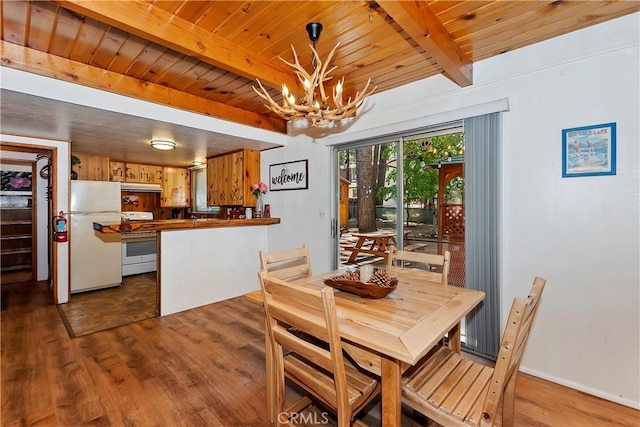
x=581, y=234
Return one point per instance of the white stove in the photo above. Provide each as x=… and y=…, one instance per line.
x=138, y=216
x=139, y=248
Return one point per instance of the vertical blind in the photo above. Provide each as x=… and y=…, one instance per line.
x=482, y=203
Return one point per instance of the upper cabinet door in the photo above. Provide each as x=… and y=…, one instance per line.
x=117, y=171
x=91, y=168
x=229, y=178
x=146, y=174
x=175, y=187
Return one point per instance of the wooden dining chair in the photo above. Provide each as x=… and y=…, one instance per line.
x=437, y=269
x=437, y=266
x=290, y=264
x=318, y=366
x=455, y=391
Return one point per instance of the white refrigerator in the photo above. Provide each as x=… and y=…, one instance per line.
x=96, y=258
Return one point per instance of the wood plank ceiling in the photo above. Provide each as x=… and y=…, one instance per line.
x=204, y=56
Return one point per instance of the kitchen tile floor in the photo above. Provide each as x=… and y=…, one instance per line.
x=89, y=312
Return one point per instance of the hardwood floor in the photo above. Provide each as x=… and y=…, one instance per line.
x=202, y=367
x=16, y=276
x=89, y=312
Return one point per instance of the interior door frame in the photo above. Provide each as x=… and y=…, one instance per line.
x=37, y=148
x=34, y=205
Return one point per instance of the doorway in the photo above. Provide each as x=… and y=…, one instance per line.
x=24, y=208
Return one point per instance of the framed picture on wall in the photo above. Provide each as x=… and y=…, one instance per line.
x=589, y=150
x=16, y=180
x=289, y=176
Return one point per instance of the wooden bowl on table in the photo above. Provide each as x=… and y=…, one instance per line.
x=379, y=286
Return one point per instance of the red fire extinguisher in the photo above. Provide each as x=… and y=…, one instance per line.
x=60, y=227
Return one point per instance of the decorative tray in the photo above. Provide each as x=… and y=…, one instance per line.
x=379, y=286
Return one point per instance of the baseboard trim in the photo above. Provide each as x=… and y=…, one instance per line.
x=581, y=387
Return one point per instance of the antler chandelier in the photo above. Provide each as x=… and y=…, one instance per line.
x=314, y=105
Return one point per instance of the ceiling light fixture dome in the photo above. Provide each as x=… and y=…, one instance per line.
x=162, y=144
x=316, y=107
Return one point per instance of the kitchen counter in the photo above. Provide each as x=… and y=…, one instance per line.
x=202, y=261
x=181, y=224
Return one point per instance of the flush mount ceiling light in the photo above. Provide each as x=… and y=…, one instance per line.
x=162, y=144
x=314, y=105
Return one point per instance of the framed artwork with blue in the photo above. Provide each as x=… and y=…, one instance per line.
x=589, y=150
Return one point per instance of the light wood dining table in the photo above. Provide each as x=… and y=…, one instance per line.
x=387, y=335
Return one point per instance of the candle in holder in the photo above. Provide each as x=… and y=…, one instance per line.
x=366, y=271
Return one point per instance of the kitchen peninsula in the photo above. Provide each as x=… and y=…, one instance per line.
x=202, y=261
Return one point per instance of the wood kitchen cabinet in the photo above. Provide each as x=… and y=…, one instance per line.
x=117, y=171
x=91, y=167
x=175, y=187
x=147, y=174
x=229, y=178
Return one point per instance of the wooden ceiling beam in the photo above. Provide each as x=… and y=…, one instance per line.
x=151, y=23
x=44, y=64
x=423, y=26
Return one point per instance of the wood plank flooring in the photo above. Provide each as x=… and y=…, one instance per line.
x=202, y=367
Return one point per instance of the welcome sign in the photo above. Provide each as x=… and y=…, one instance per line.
x=289, y=176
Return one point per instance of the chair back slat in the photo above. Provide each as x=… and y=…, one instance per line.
x=290, y=264
x=305, y=321
x=281, y=291
x=294, y=343
x=408, y=259
x=514, y=340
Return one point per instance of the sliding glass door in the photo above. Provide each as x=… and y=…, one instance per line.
x=363, y=173
x=428, y=202
x=382, y=201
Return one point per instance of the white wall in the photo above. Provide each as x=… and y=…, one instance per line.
x=201, y=266
x=300, y=210
x=581, y=234
x=61, y=203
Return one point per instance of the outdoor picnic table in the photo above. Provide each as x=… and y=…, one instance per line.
x=375, y=243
